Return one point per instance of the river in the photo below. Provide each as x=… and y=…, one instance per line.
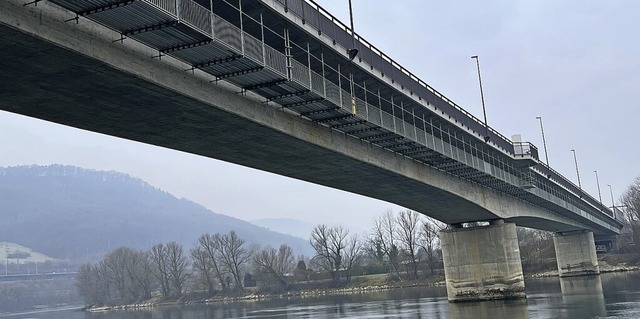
x=613, y=295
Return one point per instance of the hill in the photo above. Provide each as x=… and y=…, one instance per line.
x=72, y=213
x=288, y=226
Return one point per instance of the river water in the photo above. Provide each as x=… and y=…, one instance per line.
x=605, y=296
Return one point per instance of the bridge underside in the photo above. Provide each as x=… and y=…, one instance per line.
x=134, y=97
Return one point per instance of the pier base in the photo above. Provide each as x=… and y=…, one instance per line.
x=482, y=263
x=576, y=254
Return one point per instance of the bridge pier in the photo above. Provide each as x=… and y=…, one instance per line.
x=576, y=254
x=482, y=263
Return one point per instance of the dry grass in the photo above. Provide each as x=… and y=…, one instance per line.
x=7, y=248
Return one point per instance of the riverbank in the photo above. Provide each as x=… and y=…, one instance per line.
x=359, y=285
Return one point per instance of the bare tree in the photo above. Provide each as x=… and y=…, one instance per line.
x=138, y=269
x=160, y=268
x=177, y=266
x=408, y=230
x=352, y=256
x=203, y=268
x=234, y=256
x=272, y=264
x=631, y=199
x=383, y=239
x=211, y=245
x=329, y=244
x=115, y=261
x=86, y=282
x=429, y=240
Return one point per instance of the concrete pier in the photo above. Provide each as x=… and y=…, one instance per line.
x=576, y=254
x=482, y=263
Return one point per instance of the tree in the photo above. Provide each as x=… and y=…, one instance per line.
x=234, y=256
x=383, y=241
x=203, y=268
x=408, y=229
x=177, y=267
x=631, y=199
x=160, y=268
x=328, y=244
x=87, y=285
x=429, y=240
x=273, y=265
x=116, y=263
x=352, y=256
x=211, y=245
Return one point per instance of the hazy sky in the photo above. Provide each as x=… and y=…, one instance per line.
x=575, y=63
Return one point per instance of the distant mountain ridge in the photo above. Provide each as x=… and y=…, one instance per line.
x=286, y=226
x=73, y=213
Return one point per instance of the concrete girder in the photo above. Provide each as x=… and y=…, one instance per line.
x=74, y=74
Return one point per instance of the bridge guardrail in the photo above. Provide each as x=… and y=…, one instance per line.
x=325, y=22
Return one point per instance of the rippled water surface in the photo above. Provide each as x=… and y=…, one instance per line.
x=605, y=296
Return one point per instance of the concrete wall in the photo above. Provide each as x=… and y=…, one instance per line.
x=576, y=254
x=482, y=263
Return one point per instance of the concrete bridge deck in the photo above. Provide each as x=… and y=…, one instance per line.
x=291, y=104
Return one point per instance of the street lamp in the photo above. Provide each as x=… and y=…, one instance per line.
x=544, y=141
x=484, y=110
x=613, y=202
x=353, y=52
x=575, y=159
x=598, y=183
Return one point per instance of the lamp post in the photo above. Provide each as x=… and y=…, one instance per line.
x=575, y=159
x=544, y=141
x=598, y=183
x=353, y=52
x=613, y=203
x=484, y=110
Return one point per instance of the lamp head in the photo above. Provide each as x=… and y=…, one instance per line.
x=352, y=53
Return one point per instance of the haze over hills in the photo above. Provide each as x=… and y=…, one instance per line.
x=288, y=226
x=72, y=213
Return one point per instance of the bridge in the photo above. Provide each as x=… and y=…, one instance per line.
x=275, y=85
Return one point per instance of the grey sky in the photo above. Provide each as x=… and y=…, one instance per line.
x=575, y=63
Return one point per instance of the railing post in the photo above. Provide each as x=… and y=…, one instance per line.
x=366, y=103
x=309, y=65
x=264, y=51
x=241, y=27
x=213, y=29
x=339, y=85
x=393, y=114
x=324, y=78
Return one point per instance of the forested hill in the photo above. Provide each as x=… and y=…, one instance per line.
x=75, y=213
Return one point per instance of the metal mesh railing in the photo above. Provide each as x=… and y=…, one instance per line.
x=253, y=47
x=167, y=5
x=300, y=73
x=333, y=93
x=387, y=121
x=227, y=33
x=317, y=83
x=196, y=15
x=275, y=60
x=373, y=115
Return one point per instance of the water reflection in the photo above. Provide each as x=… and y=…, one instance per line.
x=583, y=296
x=608, y=295
x=489, y=309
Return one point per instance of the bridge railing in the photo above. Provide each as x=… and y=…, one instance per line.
x=170, y=6
x=195, y=15
x=558, y=178
x=524, y=149
x=313, y=14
